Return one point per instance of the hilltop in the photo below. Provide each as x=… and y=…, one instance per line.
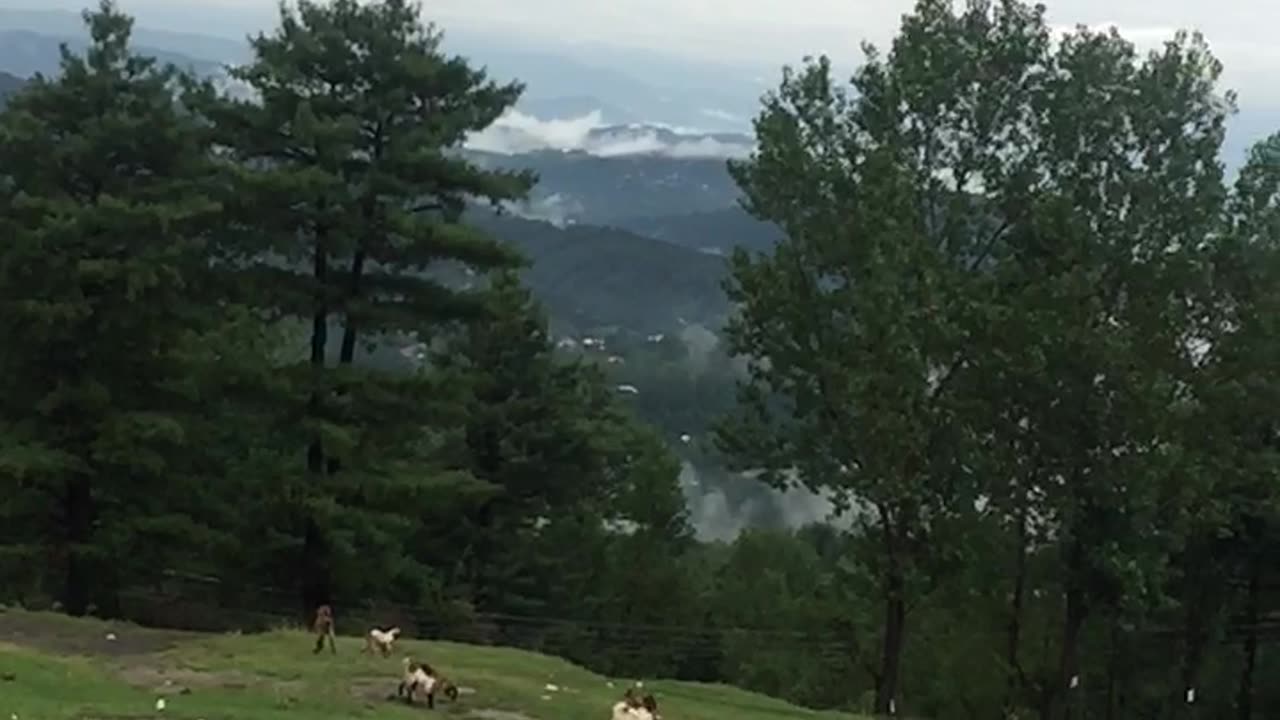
x=54, y=668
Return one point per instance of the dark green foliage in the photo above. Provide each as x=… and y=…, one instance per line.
x=105, y=218
x=342, y=193
x=9, y=84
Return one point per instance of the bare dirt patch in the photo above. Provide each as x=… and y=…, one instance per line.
x=179, y=680
x=373, y=690
x=497, y=715
x=60, y=635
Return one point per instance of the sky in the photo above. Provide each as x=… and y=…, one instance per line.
x=711, y=43
x=767, y=33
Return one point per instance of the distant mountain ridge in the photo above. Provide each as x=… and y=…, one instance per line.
x=578, y=187
x=25, y=53
x=64, y=24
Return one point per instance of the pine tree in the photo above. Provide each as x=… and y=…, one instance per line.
x=104, y=220
x=346, y=193
x=552, y=439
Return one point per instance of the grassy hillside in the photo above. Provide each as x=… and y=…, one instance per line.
x=57, y=668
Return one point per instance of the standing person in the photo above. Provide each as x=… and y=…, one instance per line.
x=323, y=628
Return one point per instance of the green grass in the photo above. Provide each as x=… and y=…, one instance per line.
x=56, y=668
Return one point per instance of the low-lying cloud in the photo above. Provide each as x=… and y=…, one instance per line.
x=717, y=517
x=516, y=132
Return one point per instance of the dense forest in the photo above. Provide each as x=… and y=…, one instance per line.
x=1018, y=325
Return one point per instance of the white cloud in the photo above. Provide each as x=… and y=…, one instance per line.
x=517, y=132
x=715, y=517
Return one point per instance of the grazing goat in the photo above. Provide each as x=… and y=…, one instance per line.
x=420, y=677
x=634, y=708
x=323, y=628
x=380, y=640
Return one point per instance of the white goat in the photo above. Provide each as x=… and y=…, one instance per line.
x=381, y=640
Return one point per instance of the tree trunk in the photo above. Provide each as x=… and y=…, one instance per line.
x=895, y=619
x=891, y=656
x=315, y=563
x=350, y=332
x=1115, y=668
x=1244, y=699
x=78, y=511
x=1014, y=680
x=347, y=354
x=1069, y=665
x=1195, y=638
x=1062, y=693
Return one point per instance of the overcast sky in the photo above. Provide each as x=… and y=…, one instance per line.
x=767, y=33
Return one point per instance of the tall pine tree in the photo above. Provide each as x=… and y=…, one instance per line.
x=104, y=215
x=347, y=192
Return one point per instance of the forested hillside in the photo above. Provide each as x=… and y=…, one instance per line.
x=1020, y=330
x=593, y=277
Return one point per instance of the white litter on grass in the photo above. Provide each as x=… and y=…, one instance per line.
x=1075, y=681
x=111, y=637
x=552, y=688
x=639, y=683
x=159, y=703
x=546, y=697
x=1191, y=695
x=609, y=683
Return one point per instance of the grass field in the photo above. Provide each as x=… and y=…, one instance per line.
x=57, y=668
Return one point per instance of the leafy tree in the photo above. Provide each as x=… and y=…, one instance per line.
x=986, y=210
x=106, y=211
x=1102, y=273
x=345, y=191
x=1239, y=525
x=857, y=326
